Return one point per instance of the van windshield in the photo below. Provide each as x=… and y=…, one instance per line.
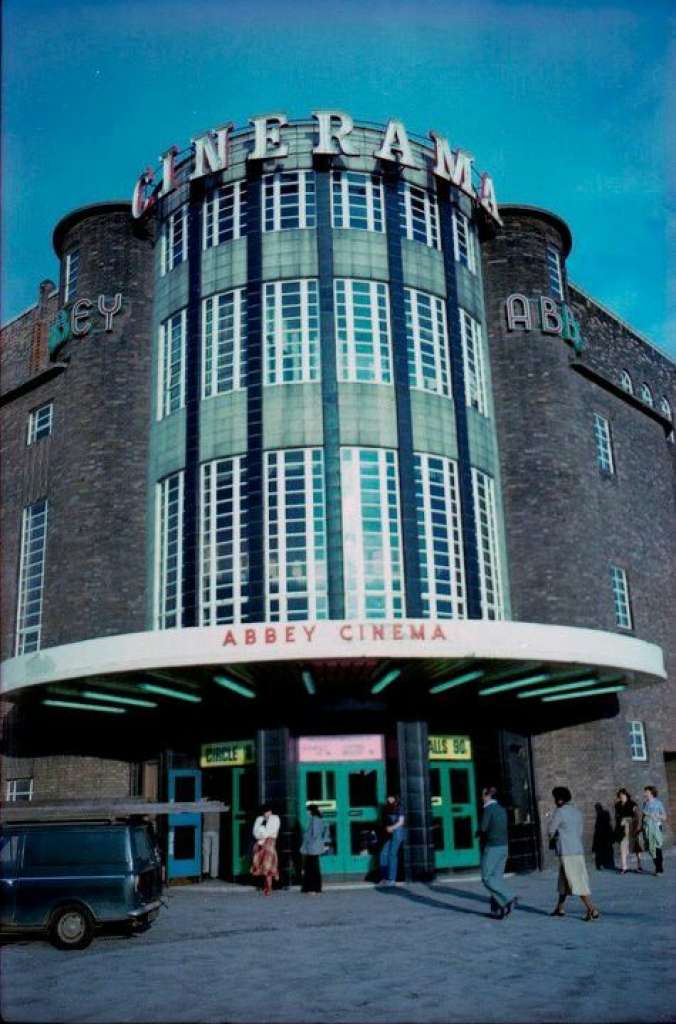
x=143, y=847
x=61, y=847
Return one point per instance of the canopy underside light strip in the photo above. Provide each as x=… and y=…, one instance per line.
x=77, y=706
x=584, y=693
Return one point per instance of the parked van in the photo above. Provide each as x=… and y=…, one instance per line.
x=67, y=880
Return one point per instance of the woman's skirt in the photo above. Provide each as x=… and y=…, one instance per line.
x=265, y=861
x=573, y=877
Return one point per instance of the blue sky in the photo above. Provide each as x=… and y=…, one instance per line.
x=564, y=103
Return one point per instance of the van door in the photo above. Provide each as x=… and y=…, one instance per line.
x=9, y=866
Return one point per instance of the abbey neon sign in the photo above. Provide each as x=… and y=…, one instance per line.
x=334, y=128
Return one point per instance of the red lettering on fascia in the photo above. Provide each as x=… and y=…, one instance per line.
x=290, y=634
x=249, y=636
x=438, y=634
x=229, y=638
x=397, y=633
x=346, y=631
x=309, y=632
x=417, y=632
x=270, y=635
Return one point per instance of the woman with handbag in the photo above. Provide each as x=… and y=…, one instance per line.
x=627, y=829
x=315, y=843
x=565, y=831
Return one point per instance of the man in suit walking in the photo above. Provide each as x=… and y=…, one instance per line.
x=493, y=837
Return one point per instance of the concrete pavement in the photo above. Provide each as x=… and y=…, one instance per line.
x=413, y=953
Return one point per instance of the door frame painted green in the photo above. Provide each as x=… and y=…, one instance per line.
x=240, y=861
x=446, y=811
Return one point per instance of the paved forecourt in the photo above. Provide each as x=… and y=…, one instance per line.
x=414, y=953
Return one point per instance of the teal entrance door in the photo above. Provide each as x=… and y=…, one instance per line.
x=185, y=830
x=454, y=814
x=350, y=796
x=244, y=794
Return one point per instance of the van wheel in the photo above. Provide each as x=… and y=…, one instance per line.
x=71, y=928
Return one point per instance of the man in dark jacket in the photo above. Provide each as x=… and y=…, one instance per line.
x=493, y=838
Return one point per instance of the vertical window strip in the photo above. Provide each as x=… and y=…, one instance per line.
x=463, y=241
x=621, y=597
x=291, y=316
x=490, y=574
x=171, y=369
x=364, y=349
x=356, y=201
x=554, y=272
x=224, y=324
x=31, y=578
x=639, y=751
x=223, y=559
x=372, y=554
x=71, y=275
x=604, y=449
x=39, y=423
x=420, y=216
x=473, y=363
x=427, y=342
x=442, y=571
x=169, y=552
x=288, y=200
x=174, y=239
x=296, y=574
x=225, y=214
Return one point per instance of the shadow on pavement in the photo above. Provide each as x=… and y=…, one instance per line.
x=520, y=906
x=428, y=902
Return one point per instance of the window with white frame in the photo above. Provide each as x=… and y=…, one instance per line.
x=224, y=343
x=19, y=790
x=169, y=552
x=288, y=200
x=374, y=576
x=171, y=370
x=637, y=743
x=225, y=214
x=626, y=382
x=31, y=577
x=427, y=342
x=463, y=241
x=621, y=600
x=364, y=351
x=357, y=201
x=604, y=447
x=420, y=216
x=174, y=240
x=442, y=573
x=490, y=574
x=646, y=394
x=40, y=423
x=291, y=312
x=71, y=274
x=295, y=554
x=473, y=363
x=223, y=546
x=554, y=273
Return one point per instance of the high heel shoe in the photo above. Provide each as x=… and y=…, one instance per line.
x=591, y=915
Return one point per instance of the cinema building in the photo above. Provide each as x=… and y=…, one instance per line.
x=321, y=481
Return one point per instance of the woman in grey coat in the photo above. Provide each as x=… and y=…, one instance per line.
x=315, y=841
x=565, y=830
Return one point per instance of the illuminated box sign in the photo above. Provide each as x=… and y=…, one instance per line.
x=543, y=314
x=450, y=748
x=211, y=153
x=228, y=755
x=340, y=748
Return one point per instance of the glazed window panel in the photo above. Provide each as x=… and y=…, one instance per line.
x=289, y=200
x=169, y=552
x=463, y=241
x=357, y=201
x=291, y=311
x=31, y=578
x=295, y=556
x=174, y=240
x=442, y=571
x=646, y=395
x=171, y=371
x=224, y=334
x=427, y=342
x=620, y=585
x=225, y=214
x=374, y=578
x=40, y=423
x=363, y=331
x=554, y=273
x=19, y=790
x=637, y=741
x=626, y=382
x=71, y=274
x=473, y=363
x=490, y=575
x=420, y=216
x=223, y=547
x=604, y=447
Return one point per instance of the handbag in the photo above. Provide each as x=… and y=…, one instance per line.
x=553, y=842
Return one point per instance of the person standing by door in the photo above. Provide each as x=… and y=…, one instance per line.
x=315, y=841
x=265, y=863
x=565, y=831
x=627, y=829
x=654, y=816
x=394, y=834
x=494, y=849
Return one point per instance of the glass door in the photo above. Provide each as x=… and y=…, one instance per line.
x=185, y=830
x=454, y=815
x=318, y=785
x=244, y=795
